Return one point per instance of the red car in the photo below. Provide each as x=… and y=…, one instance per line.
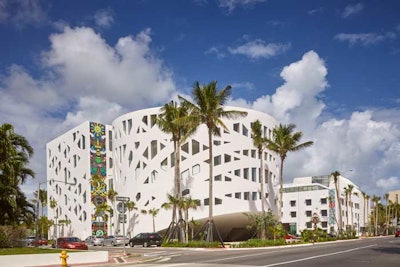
x=70, y=243
x=397, y=233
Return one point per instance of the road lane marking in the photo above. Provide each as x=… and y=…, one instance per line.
x=275, y=264
x=316, y=257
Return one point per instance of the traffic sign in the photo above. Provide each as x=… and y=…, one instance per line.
x=122, y=198
x=122, y=218
x=121, y=207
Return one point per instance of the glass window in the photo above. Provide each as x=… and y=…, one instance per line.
x=254, y=174
x=227, y=158
x=246, y=173
x=236, y=127
x=308, y=202
x=185, y=147
x=185, y=174
x=293, y=214
x=238, y=195
x=218, y=178
x=196, y=169
x=153, y=148
x=324, y=212
x=323, y=200
x=308, y=213
x=195, y=147
x=246, y=195
x=293, y=203
x=217, y=160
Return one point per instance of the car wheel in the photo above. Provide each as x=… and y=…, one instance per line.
x=145, y=244
x=132, y=245
x=112, y=244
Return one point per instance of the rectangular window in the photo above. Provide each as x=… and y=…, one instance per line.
x=293, y=214
x=246, y=195
x=324, y=224
x=217, y=160
x=246, y=173
x=238, y=195
x=254, y=195
x=293, y=203
x=323, y=200
x=308, y=224
x=308, y=202
x=254, y=174
x=308, y=213
x=324, y=213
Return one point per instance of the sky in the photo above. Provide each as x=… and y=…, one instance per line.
x=329, y=67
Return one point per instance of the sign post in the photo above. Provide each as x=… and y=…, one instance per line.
x=121, y=207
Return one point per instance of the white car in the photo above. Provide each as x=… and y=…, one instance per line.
x=95, y=241
x=115, y=240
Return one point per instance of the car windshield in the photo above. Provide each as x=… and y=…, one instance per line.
x=73, y=239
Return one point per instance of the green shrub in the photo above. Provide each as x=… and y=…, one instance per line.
x=192, y=244
x=12, y=236
x=252, y=243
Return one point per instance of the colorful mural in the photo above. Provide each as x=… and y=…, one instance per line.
x=332, y=207
x=98, y=171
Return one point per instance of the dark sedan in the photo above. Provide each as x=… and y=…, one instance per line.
x=146, y=240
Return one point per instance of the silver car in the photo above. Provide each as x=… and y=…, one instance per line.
x=115, y=240
x=95, y=241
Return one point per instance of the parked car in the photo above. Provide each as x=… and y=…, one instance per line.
x=115, y=240
x=70, y=243
x=146, y=240
x=397, y=233
x=40, y=242
x=291, y=238
x=29, y=240
x=95, y=241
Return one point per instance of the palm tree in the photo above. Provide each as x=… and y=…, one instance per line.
x=284, y=140
x=259, y=142
x=386, y=197
x=153, y=212
x=336, y=175
x=111, y=194
x=169, y=122
x=130, y=205
x=376, y=200
x=15, y=153
x=346, y=195
x=209, y=109
x=173, y=203
x=364, y=207
x=186, y=204
x=53, y=205
x=368, y=204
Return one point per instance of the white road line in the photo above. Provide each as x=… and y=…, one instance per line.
x=315, y=257
x=281, y=263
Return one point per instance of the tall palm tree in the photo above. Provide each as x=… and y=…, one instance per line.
x=209, y=109
x=285, y=140
x=376, y=200
x=346, y=195
x=153, y=212
x=368, y=197
x=169, y=122
x=259, y=142
x=130, y=205
x=111, y=195
x=386, y=197
x=336, y=175
x=364, y=207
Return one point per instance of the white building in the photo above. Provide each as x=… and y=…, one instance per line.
x=136, y=159
x=316, y=195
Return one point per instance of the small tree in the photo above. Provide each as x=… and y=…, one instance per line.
x=153, y=212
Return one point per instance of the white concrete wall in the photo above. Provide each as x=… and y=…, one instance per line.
x=53, y=259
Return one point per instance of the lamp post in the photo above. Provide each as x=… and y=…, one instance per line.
x=38, y=200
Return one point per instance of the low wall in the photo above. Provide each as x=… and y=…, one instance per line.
x=29, y=260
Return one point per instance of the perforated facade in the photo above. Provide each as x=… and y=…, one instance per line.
x=140, y=166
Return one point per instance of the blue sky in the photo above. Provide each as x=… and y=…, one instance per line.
x=330, y=67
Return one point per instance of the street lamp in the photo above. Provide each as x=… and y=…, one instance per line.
x=38, y=200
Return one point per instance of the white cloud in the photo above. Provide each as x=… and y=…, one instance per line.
x=297, y=99
x=350, y=10
x=230, y=5
x=124, y=73
x=259, y=49
x=368, y=141
x=81, y=78
x=22, y=13
x=104, y=18
x=363, y=38
x=216, y=51
x=245, y=85
x=388, y=184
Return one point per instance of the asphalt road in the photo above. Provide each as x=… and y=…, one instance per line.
x=374, y=252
